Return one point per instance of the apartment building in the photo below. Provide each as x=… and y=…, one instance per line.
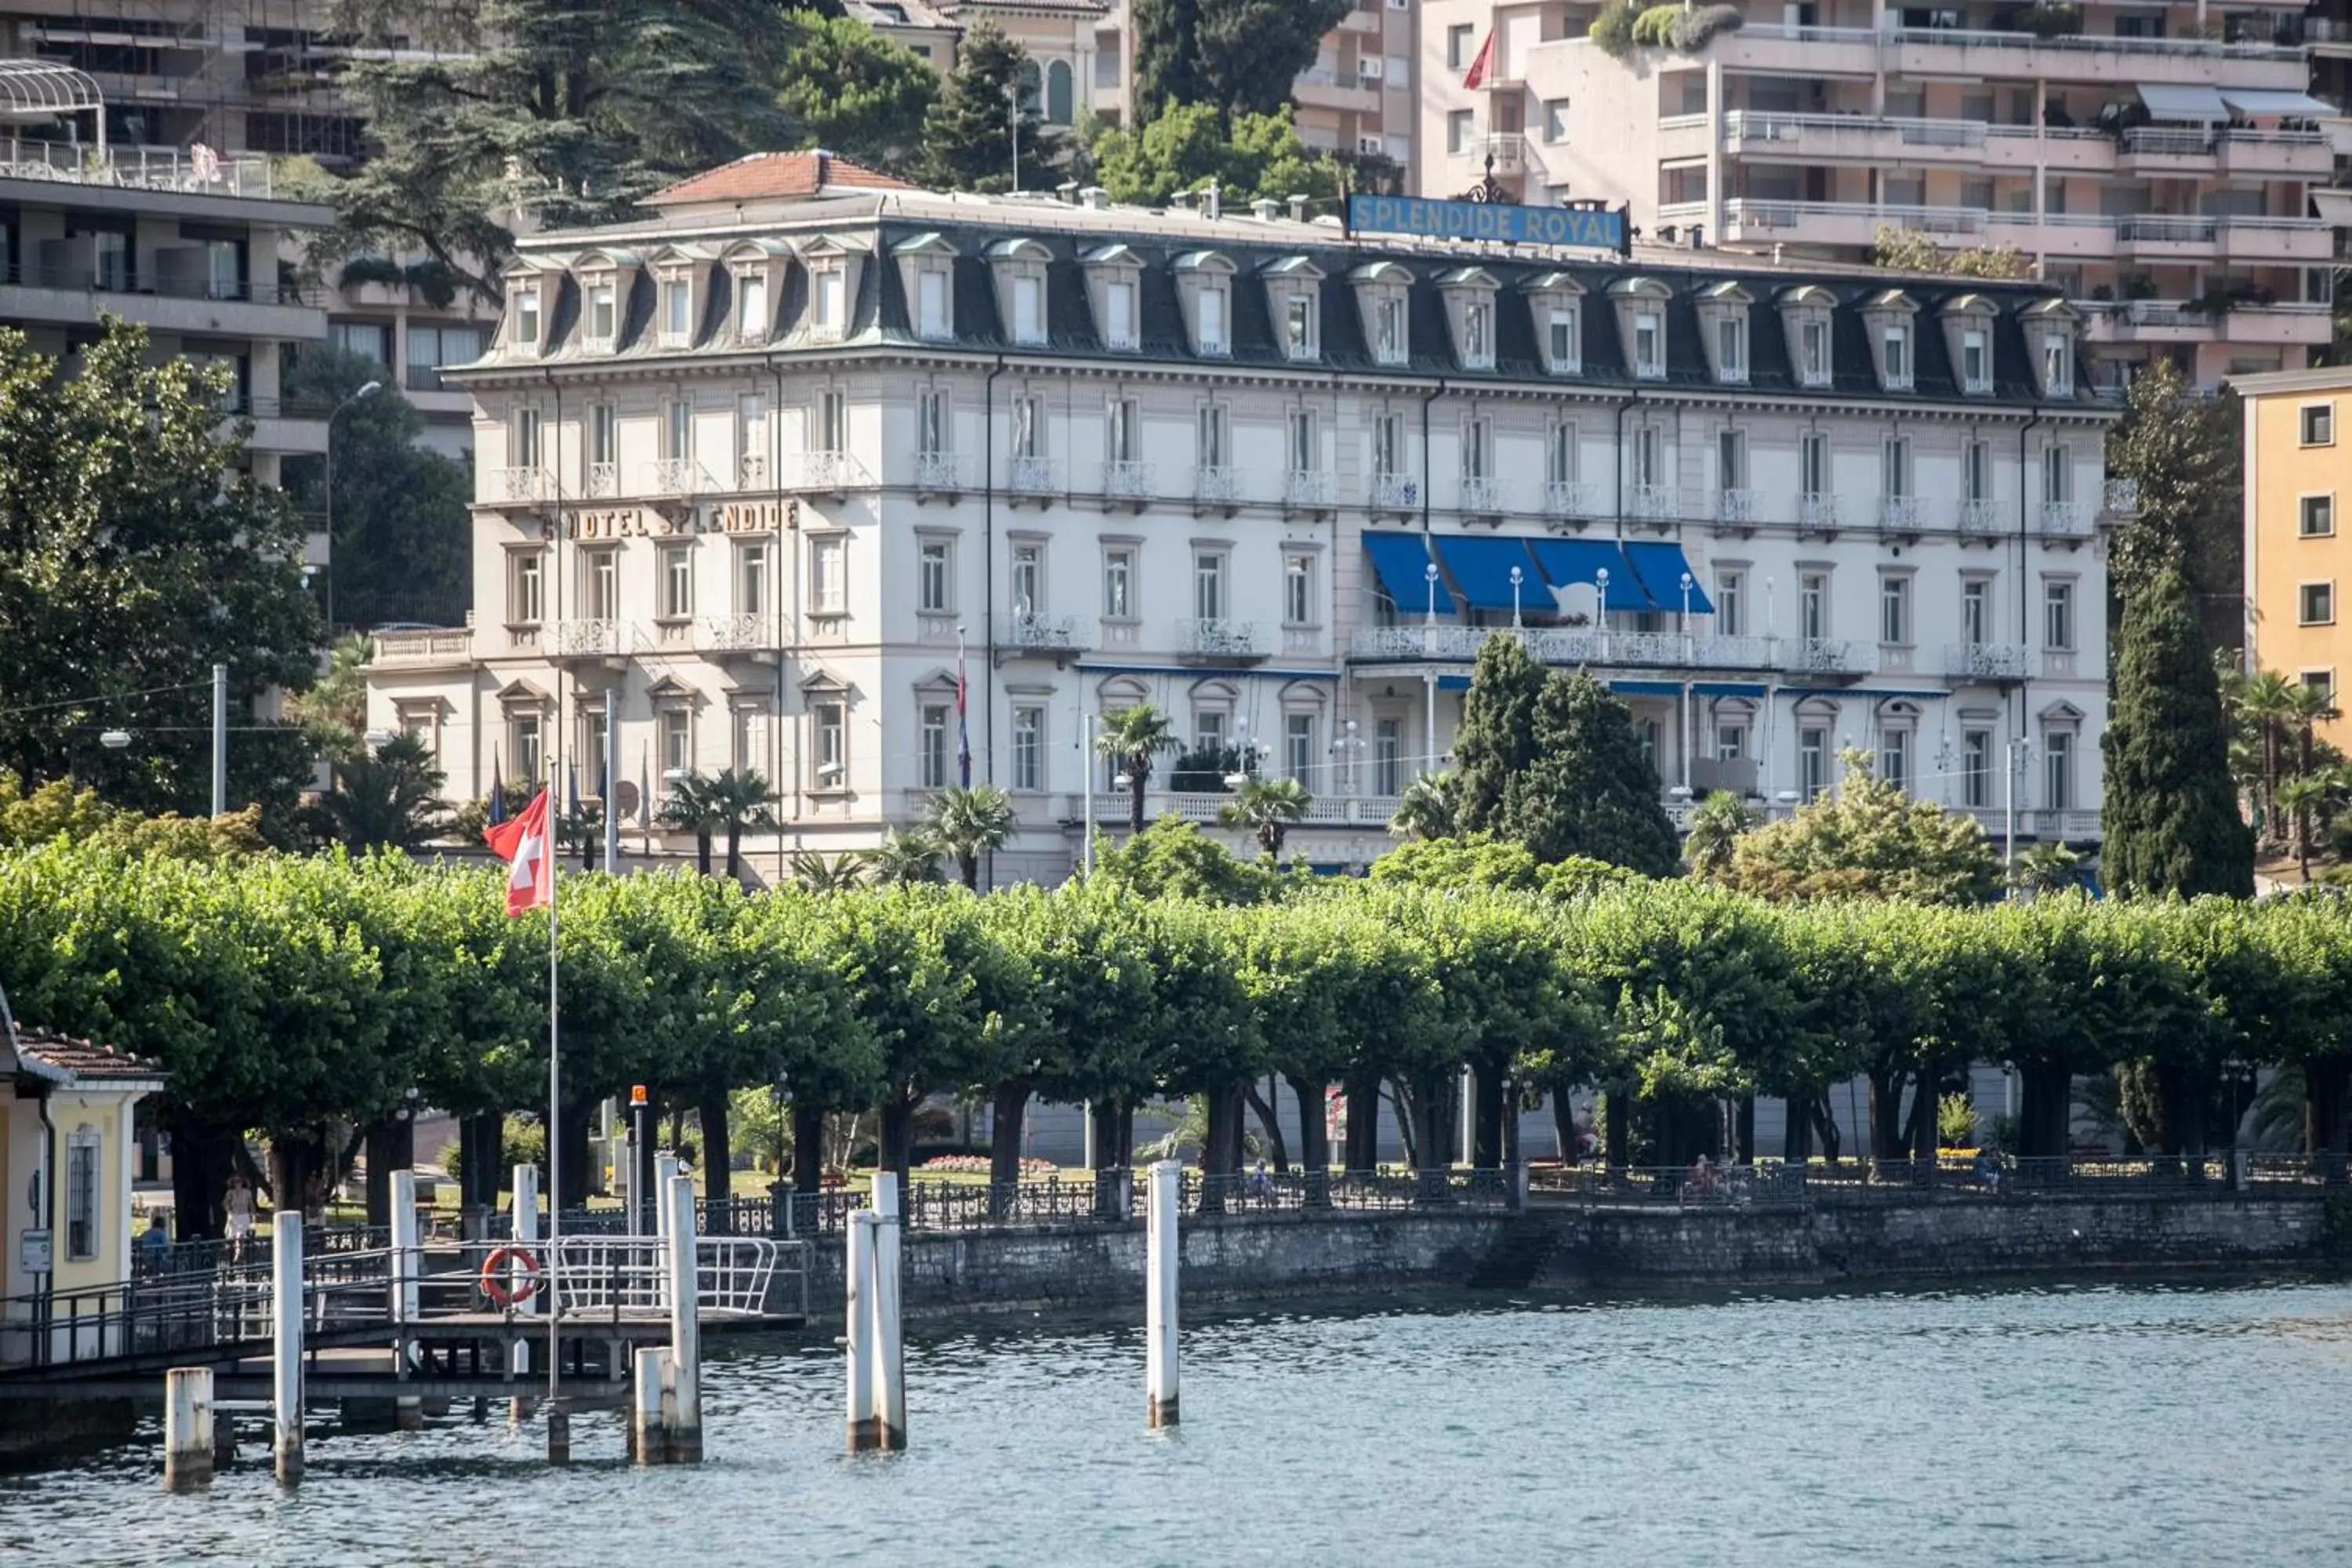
x=2298, y=477
x=1074, y=46
x=762, y=478
x=187, y=247
x=2156, y=163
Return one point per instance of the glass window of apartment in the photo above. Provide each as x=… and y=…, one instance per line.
x=1649, y=456
x=1649, y=346
x=1210, y=310
x=2315, y=604
x=935, y=576
x=1976, y=472
x=1387, y=755
x=677, y=429
x=1123, y=431
x=113, y=268
x=2320, y=680
x=526, y=588
x=1458, y=131
x=603, y=444
x=1975, y=612
x=2057, y=474
x=372, y=341
x=2058, y=769
x=1895, y=468
x=933, y=748
x=1299, y=326
x=1555, y=121
x=931, y=422
x=2317, y=517
x=604, y=584
x=751, y=306
x=676, y=582
x=1028, y=427
x=2057, y=364
x=1976, y=768
x=1299, y=747
x=1028, y=310
x=1388, y=444
x=1894, y=757
x=1896, y=345
x=751, y=439
x=1566, y=351
x=523, y=732
x=1299, y=590
x=1209, y=585
x=1731, y=349
x=224, y=270
x=2318, y=423
x=751, y=579
x=932, y=303
x=1389, y=330
x=828, y=583
x=1210, y=436
x=1119, y=314
x=1730, y=742
x=1477, y=449
x=603, y=315
x=831, y=753
x=2058, y=615
x=1976, y=361
x=1730, y=601
x=1812, y=761
x=1457, y=46
x=523, y=435
x=1813, y=344
x=81, y=1198
x=1306, y=451
x=1647, y=733
x=832, y=300
x=1028, y=577
x=1813, y=465
x=743, y=753
x=678, y=310
x=1814, y=605
x=526, y=316
x=1894, y=608
x=1119, y=583
x=677, y=741
x=833, y=421
x=1477, y=334
x=1731, y=459
x=1560, y=455
x=1028, y=746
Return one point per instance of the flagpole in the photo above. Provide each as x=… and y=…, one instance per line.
x=553, y=860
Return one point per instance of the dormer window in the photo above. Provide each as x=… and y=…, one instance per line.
x=1298, y=327
x=1020, y=269
x=2057, y=365
x=678, y=312
x=1389, y=332
x=926, y=272
x=526, y=318
x=1887, y=322
x=1294, y=288
x=1731, y=350
x=1204, y=296
x=1469, y=294
x=1479, y=335
x=1641, y=325
x=1118, y=315
x=1894, y=357
x=1813, y=353
x=1028, y=310
x=751, y=315
x=1976, y=360
x=1381, y=301
x=1211, y=318
x=1556, y=299
x=1114, y=286
x=1562, y=330
x=830, y=291
x=1967, y=337
x=603, y=315
x=2049, y=338
x=1806, y=323
x=1649, y=346
x=1723, y=329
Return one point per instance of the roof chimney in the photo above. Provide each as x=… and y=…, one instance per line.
x=1095, y=196
x=1180, y=202
x=1266, y=209
x=1068, y=191
x=1298, y=209
x=1216, y=207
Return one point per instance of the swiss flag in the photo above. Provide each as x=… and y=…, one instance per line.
x=1476, y=78
x=523, y=845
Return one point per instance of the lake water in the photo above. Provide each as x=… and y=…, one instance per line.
x=2111, y=1425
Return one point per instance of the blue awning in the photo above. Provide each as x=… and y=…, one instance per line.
x=1660, y=567
x=1454, y=683
x=1646, y=688
x=1726, y=688
x=1402, y=563
x=1575, y=561
x=1481, y=569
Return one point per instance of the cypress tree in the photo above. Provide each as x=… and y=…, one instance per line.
x=2172, y=820
x=968, y=134
x=1497, y=739
x=1590, y=790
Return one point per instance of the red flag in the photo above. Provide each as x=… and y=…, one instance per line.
x=1478, y=76
x=523, y=845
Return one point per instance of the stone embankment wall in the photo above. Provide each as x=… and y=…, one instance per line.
x=1567, y=1247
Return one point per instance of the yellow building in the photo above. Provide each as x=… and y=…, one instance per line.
x=2298, y=461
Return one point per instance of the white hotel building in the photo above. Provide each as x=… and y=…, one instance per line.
x=753, y=472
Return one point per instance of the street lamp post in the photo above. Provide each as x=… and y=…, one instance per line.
x=366, y=391
x=1428, y=678
x=1601, y=600
x=1516, y=578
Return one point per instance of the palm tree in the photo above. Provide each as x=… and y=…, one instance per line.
x=907, y=858
x=1428, y=807
x=1267, y=807
x=829, y=874
x=1132, y=737
x=691, y=809
x=2046, y=868
x=389, y=799
x=1716, y=824
x=971, y=823
x=741, y=799
x=2301, y=795
x=2266, y=701
x=334, y=711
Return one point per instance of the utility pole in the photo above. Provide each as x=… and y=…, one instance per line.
x=220, y=740
x=611, y=790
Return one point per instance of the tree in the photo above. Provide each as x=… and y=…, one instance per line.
x=2180, y=449
x=1428, y=808
x=388, y=799
x=2264, y=703
x=2301, y=796
x=740, y=798
x=1267, y=808
x=817, y=873
x=1234, y=56
x=1589, y=791
x=968, y=134
x=135, y=552
x=1909, y=251
x=971, y=823
x=1715, y=826
x=494, y=115
x=2047, y=868
x=1190, y=144
x=333, y=713
x=1131, y=737
x=906, y=858
x=1869, y=840
x=2171, y=811
x=855, y=92
x=692, y=808
x=1497, y=741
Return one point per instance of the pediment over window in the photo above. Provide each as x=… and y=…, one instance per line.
x=927, y=273
x=523, y=694
x=1469, y=294
x=1556, y=300
x=1204, y=293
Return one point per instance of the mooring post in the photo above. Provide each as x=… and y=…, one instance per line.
x=889, y=1349
x=559, y=1433
x=857, y=1312
x=648, y=1444
x=526, y=1235
x=408, y=1413
x=187, y=1425
x=657, y=1204
x=685, y=1422
x=1159, y=1292
x=286, y=1344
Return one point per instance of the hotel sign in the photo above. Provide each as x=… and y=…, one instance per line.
x=1493, y=222
x=644, y=522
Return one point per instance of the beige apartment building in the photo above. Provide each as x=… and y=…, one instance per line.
x=2158, y=162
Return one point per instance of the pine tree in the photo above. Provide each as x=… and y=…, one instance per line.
x=1236, y=56
x=855, y=92
x=968, y=135
x=1497, y=739
x=1590, y=790
x=2172, y=818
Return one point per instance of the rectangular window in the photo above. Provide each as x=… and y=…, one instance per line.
x=604, y=436
x=1388, y=444
x=1731, y=459
x=2057, y=366
x=526, y=318
x=1649, y=347
x=1387, y=755
x=604, y=584
x=1212, y=310
x=676, y=582
x=932, y=303
x=1976, y=472
x=1976, y=768
x=603, y=315
x=1477, y=334
x=751, y=439
x=1731, y=602
x=744, y=754
x=2057, y=475
x=1895, y=758
x=530, y=759
x=1560, y=455
x=2058, y=617
x=1895, y=610
x=1210, y=448
x=1298, y=746
x=1975, y=612
x=2058, y=769
x=678, y=430
x=1730, y=742
x=81, y=1199
x=1299, y=326
x=828, y=586
x=1895, y=468
x=2317, y=517
x=751, y=317
x=931, y=424
x=2315, y=604
x=1649, y=456
x=1898, y=362
x=1976, y=361
x=831, y=753
x=935, y=574
x=1814, y=463
x=1477, y=450
x=1457, y=46
x=1388, y=331
x=1299, y=590
x=1028, y=427
x=832, y=301
x=1554, y=119
x=1208, y=586
x=1567, y=353
x=1731, y=349
x=1028, y=310
x=1028, y=747
x=2318, y=421
x=1028, y=575
x=751, y=579
x=1814, y=605
x=1119, y=584
x=833, y=421
x=1122, y=431
x=527, y=589
x=1305, y=450
x=678, y=310
x=933, y=754
x=1458, y=131
x=1119, y=326
x=525, y=433
x=1813, y=763
x=677, y=741
x=1815, y=339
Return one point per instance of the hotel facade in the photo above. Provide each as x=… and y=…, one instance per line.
x=760, y=478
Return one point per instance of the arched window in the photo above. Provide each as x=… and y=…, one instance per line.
x=1058, y=109
x=1029, y=80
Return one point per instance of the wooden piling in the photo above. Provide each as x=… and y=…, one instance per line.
x=889, y=1367
x=649, y=1444
x=526, y=1235
x=684, y=1419
x=285, y=1346
x=858, y=1313
x=187, y=1427
x=1159, y=1293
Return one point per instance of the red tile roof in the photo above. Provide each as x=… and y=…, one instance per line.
x=82, y=1060
x=770, y=176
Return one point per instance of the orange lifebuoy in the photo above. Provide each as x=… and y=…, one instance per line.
x=495, y=1283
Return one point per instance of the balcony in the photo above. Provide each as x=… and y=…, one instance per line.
x=1568, y=646
x=1507, y=149
x=1129, y=481
x=1216, y=487
x=1826, y=656
x=2278, y=154
x=1900, y=516
x=2122, y=497
x=2166, y=237
x=735, y=634
x=513, y=485
x=1822, y=138
x=1571, y=498
x=830, y=473
x=1323, y=88
x=1216, y=638
x=1037, y=477
x=1957, y=54
x=751, y=471
x=1482, y=495
x=1025, y=632
x=442, y=648
x=1983, y=520
x=1772, y=49
x=2151, y=322
x=2276, y=239
x=1655, y=503
x=1746, y=220
x=1395, y=492
x=1307, y=488
x=2167, y=150
x=588, y=639
x=1817, y=513
x=185, y=171
x=675, y=476
x=1987, y=661
x=2066, y=519
x=2069, y=824
x=937, y=473
x=601, y=480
